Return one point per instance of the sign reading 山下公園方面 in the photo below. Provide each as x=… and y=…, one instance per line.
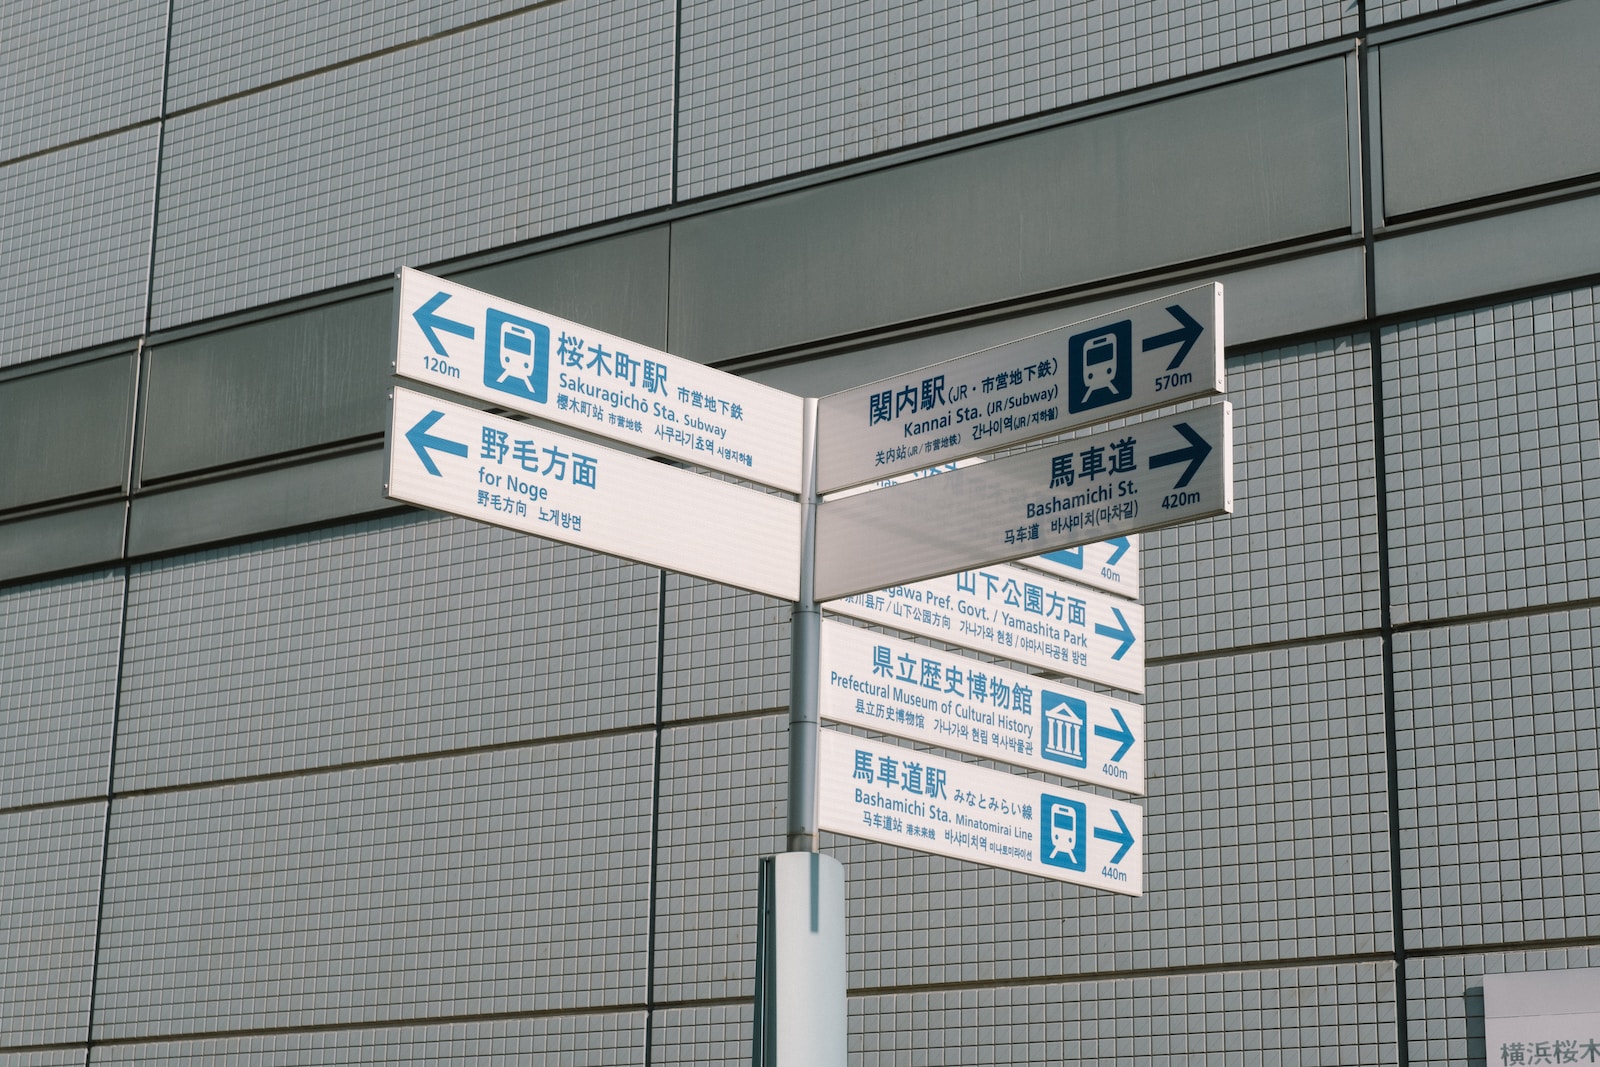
x=940, y=698
x=1152, y=354
x=1143, y=476
x=1019, y=615
x=898, y=796
x=530, y=478
x=468, y=342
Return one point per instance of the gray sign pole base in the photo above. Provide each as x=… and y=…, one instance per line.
x=800, y=1015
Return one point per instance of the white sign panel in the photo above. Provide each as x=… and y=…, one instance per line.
x=1146, y=356
x=1145, y=476
x=530, y=478
x=1110, y=565
x=898, y=796
x=924, y=694
x=1542, y=1017
x=565, y=372
x=1018, y=615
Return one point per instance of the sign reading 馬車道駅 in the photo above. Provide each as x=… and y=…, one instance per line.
x=530, y=478
x=924, y=694
x=1144, y=476
x=1152, y=354
x=1019, y=615
x=468, y=342
x=899, y=796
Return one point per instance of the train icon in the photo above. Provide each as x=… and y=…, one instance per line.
x=516, y=356
x=1100, y=366
x=1062, y=833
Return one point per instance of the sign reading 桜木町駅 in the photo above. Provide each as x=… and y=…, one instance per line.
x=468, y=342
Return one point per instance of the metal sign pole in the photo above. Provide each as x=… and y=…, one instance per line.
x=800, y=1011
x=805, y=638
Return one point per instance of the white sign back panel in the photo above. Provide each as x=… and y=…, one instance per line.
x=1145, y=476
x=913, y=691
x=530, y=478
x=1018, y=615
x=898, y=796
x=565, y=372
x=1152, y=354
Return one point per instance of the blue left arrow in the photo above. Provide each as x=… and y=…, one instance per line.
x=1120, y=836
x=1122, y=735
x=1125, y=634
x=422, y=440
x=434, y=324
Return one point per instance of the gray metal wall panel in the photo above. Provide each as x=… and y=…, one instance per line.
x=60, y=641
x=776, y=90
x=380, y=640
x=1537, y=247
x=222, y=49
x=1298, y=558
x=723, y=786
x=604, y=1039
x=50, y=883
x=1335, y=1014
x=617, y=284
x=1490, y=107
x=1490, y=440
x=726, y=651
x=76, y=70
x=278, y=385
x=1257, y=162
x=1499, y=764
x=1314, y=292
x=75, y=245
x=62, y=541
x=1265, y=839
x=1444, y=1003
x=482, y=884
x=463, y=144
x=72, y=424
x=711, y=1035
x=1380, y=12
x=263, y=502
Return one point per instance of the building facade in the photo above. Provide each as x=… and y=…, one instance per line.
x=292, y=775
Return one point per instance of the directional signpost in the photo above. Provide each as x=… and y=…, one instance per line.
x=564, y=372
x=1019, y=615
x=1152, y=474
x=882, y=683
x=903, y=797
x=529, y=478
x=928, y=556
x=1153, y=354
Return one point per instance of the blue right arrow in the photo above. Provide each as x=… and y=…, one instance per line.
x=1123, y=544
x=1119, y=836
x=1199, y=448
x=1121, y=734
x=431, y=322
x=422, y=440
x=1125, y=634
x=1188, y=332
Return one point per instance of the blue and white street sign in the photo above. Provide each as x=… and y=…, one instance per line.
x=899, y=796
x=1018, y=615
x=941, y=698
x=1110, y=565
x=1150, y=355
x=526, y=360
x=529, y=478
x=1144, y=476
